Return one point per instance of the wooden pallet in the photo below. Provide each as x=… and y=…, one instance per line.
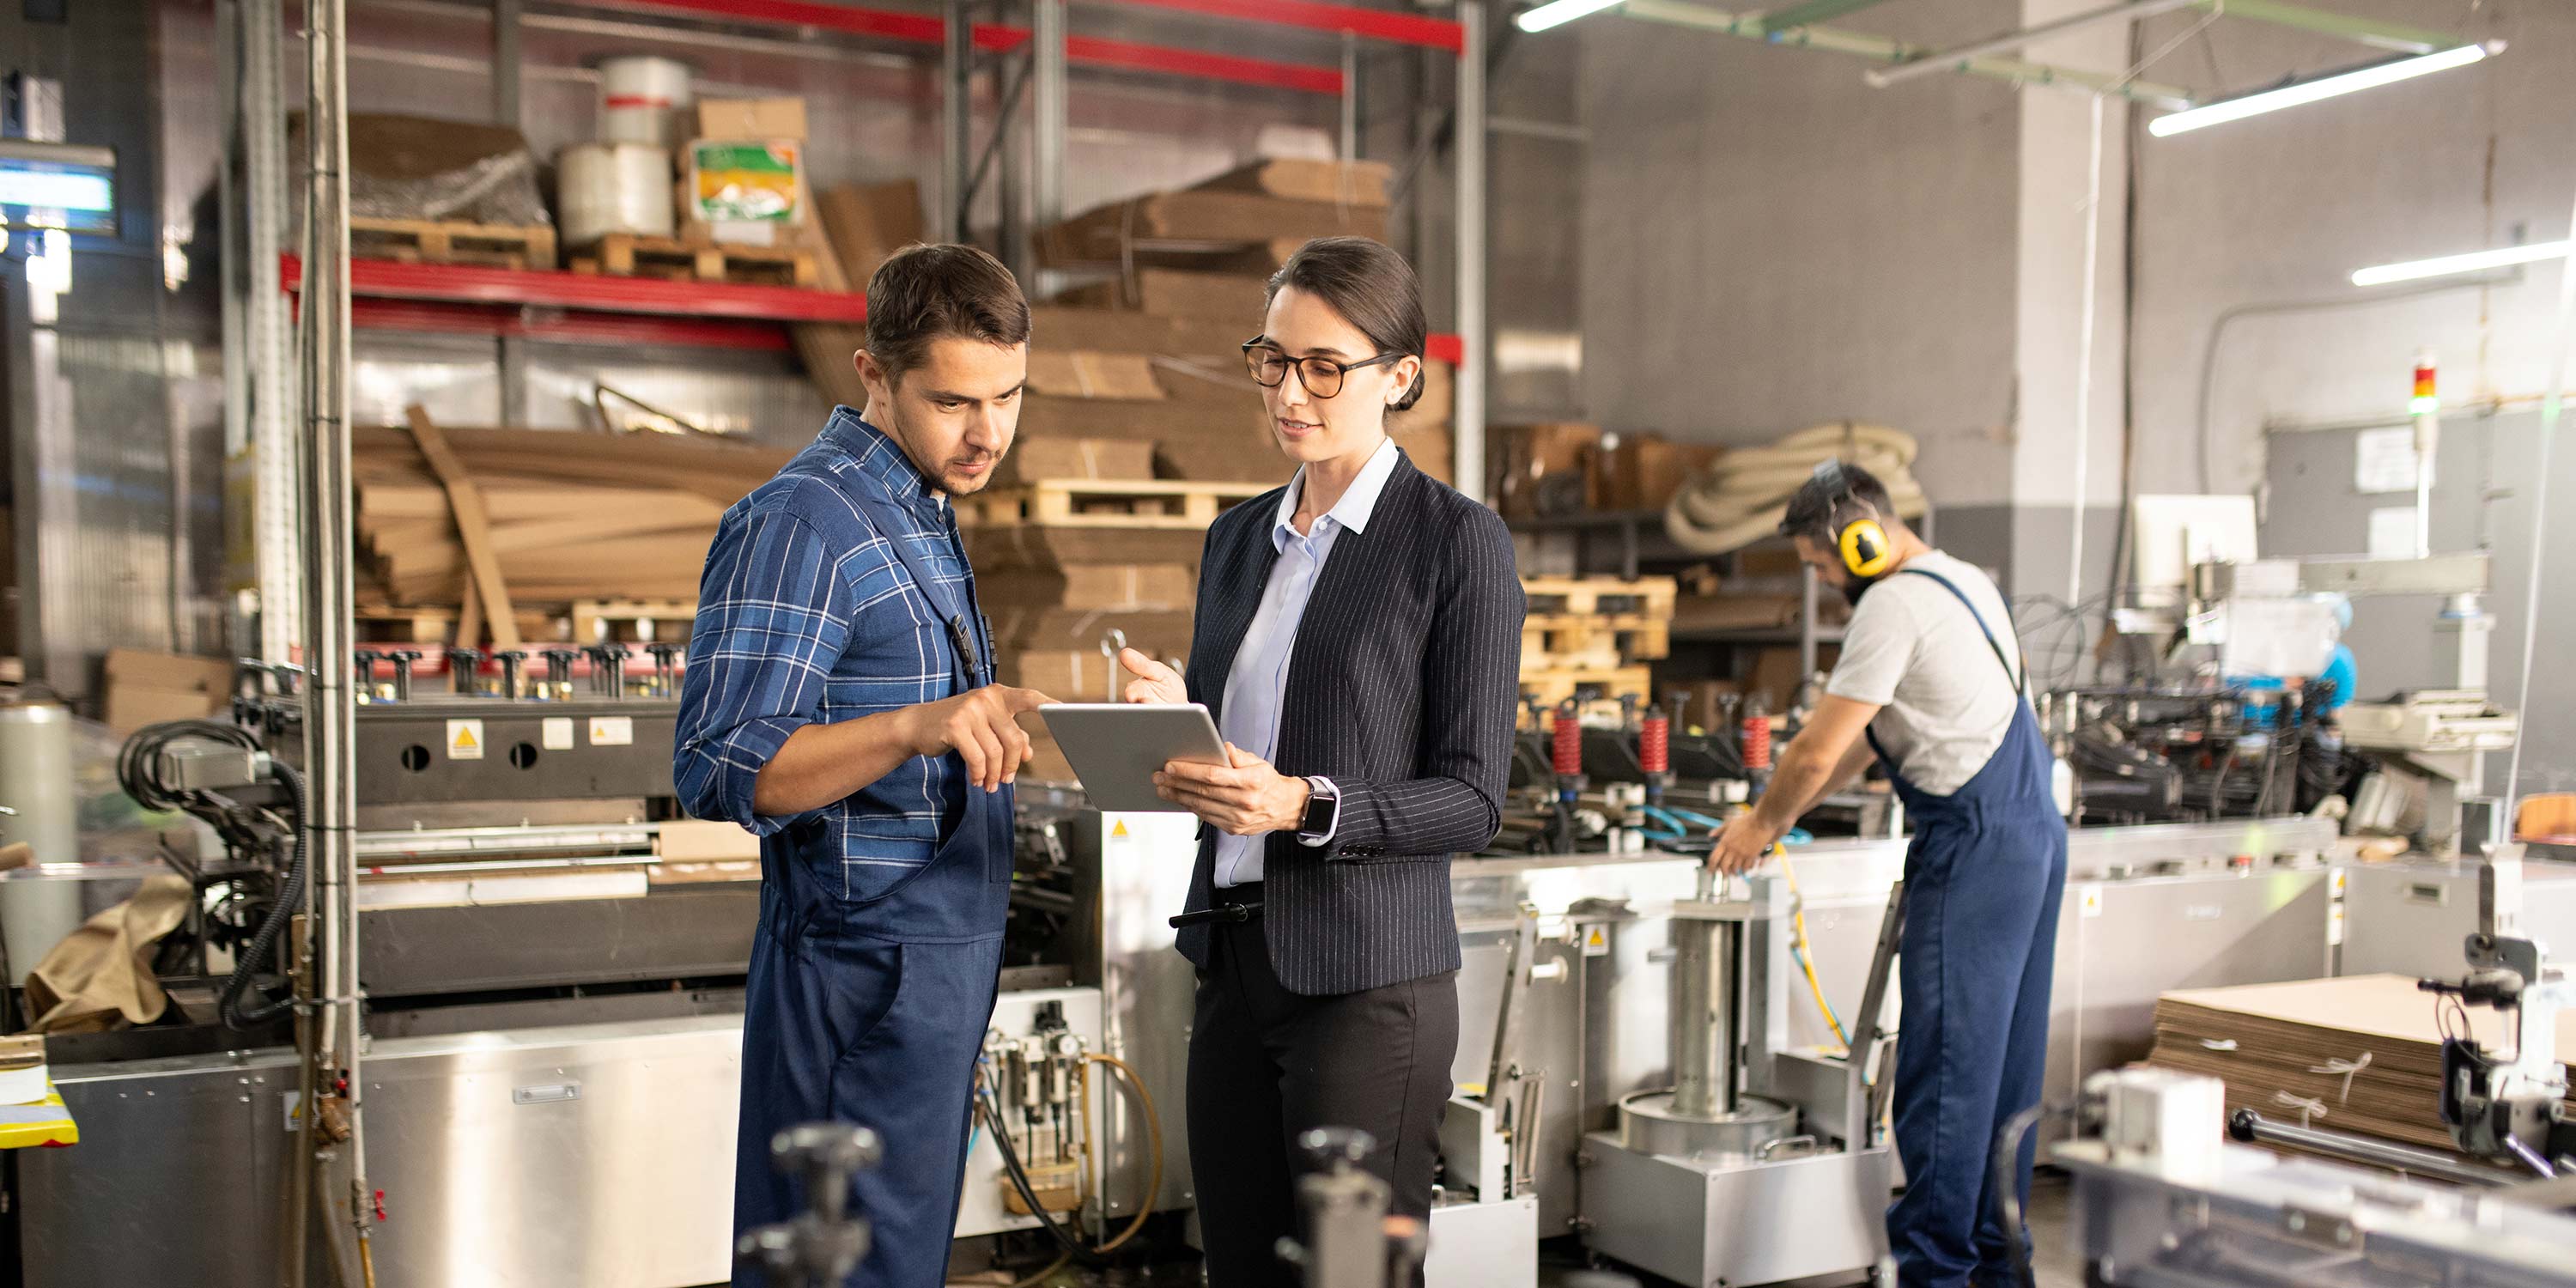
x=433, y=625
x=1600, y=596
x=438, y=241
x=604, y=620
x=672, y=259
x=1574, y=642
x=1105, y=503
x=1551, y=687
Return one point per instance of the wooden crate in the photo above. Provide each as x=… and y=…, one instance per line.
x=439, y=241
x=1609, y=684
x=1601, y=596
x=674, y=259
x=1568, y=642
x=1105, y=503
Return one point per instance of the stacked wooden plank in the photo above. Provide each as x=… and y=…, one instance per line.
x=1593, y=636
x=2361, y=1054
x=567, y=517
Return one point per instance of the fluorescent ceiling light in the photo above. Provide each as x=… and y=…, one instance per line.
x=1557, y=13
x=2448, y=265
x=2323, y=87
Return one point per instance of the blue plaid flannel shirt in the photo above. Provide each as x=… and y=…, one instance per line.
x=805, y=616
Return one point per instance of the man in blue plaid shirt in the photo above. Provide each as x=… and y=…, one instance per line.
x=839, y=703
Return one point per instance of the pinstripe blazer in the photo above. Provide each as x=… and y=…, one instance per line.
x=1403, y=690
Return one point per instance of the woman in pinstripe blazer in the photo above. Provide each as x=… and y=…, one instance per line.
x=1358, y=641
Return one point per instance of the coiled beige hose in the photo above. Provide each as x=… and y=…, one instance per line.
x=1739, y=499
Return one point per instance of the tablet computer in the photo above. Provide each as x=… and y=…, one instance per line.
x=1116, y=748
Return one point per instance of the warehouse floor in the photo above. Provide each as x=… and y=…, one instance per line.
x=2057, y=1263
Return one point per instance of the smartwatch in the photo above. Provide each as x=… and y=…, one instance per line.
x=1323, y=812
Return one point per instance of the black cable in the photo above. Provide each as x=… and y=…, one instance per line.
x=1072, y=1246
x=138, y=762
x=289, y=896
x=2006, y=1167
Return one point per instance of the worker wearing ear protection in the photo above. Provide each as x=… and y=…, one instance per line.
x=1931, y=685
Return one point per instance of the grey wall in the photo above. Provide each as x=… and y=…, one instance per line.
x=1768, y=243
x=2398, y=642
x=2284, y=208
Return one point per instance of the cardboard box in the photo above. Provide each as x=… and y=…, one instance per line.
x=1058, y=374
x=1645, y=470
x=1547, y=469
x=1095, y=587
x=1075, y=458
x=869, y=222
x=690, y=840
x=1163, y=634
x=1775, y=675
x=144, y=669
x=1031, y=546
x=132, y=706
x=1434, y=451
x=1067, y=675
x=1439, y=399
x=1046, y=760
x=1704, y=703
x=1108, y=234
x=736, y=181
x=1198, y=297
x=751, y=118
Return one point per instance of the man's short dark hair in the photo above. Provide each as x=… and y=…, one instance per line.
x=926, y=293
x=1836, y=491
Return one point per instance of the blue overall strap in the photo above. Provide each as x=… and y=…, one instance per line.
x=1991, y=642
x=962, y=637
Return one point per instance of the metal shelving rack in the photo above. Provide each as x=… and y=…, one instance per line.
x=514, y=306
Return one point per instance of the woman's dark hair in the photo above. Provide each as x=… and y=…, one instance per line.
x=1371, y=286
x=926, y=293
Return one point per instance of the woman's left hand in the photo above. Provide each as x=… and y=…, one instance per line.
x=1243, y=798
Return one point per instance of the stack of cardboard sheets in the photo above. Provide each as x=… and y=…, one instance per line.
x=2362, y=1054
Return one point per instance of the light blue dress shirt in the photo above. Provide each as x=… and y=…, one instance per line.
x=1254, y=689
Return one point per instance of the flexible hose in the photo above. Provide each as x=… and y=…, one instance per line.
x=289, y=897
x=1154, y=1143
x=2006, y=1172
x=1073, y=1247
x=1019, y=1175
x=1807, y=955
x=1741, y=497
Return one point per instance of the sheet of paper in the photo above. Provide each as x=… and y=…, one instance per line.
x=2392, y=532
x=2383, y=460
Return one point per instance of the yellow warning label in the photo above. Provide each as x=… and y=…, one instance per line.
x=1118, y=831
x=464, y=740
x=1596, y=943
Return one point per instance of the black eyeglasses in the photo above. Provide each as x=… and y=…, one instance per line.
x=1322, y=377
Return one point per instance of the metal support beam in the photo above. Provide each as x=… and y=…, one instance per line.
x=505, y=63
x=1350, y=97
x=956, y=116
x=2380, y=35
x=1881, y=49
x=1955, y=58
x=268, y=350
x=1049, y=114
x=1812, y=12
x=1468, y=417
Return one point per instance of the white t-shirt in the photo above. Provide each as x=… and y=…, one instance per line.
x=1913, y=650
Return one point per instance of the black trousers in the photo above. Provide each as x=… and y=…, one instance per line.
x=1267, y=1065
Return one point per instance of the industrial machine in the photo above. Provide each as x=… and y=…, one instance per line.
x=2173, y=754
x=1779, y=1153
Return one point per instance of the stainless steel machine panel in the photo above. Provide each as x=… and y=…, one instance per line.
x=1754, y=1223
x=2120, y=944
x=597, y=1155
x=2411, y=918
x=674, y=932
x=412, y=752
x=1484, y=1245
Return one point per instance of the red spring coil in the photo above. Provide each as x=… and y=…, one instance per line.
x=1567, y=733
x=1655, y=744
x=1757, y=742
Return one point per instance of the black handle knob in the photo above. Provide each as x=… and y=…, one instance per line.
x=1337, y=1148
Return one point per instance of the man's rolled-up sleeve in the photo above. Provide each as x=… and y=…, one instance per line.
x=773, y=617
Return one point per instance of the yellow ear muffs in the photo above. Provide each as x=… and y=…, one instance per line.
x=1865, y=548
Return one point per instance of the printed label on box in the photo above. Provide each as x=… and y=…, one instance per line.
x=464, y=740
x=745, y=181
x=556, y=733
x=612, y=731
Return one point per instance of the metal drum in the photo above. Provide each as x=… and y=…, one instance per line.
x=36, y=783
x=1649, y=1124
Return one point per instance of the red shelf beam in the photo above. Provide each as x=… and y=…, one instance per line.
x=522, y=322
x=1367, y=24
x=924, y=29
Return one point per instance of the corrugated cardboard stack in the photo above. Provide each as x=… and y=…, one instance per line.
x=1187, y=275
